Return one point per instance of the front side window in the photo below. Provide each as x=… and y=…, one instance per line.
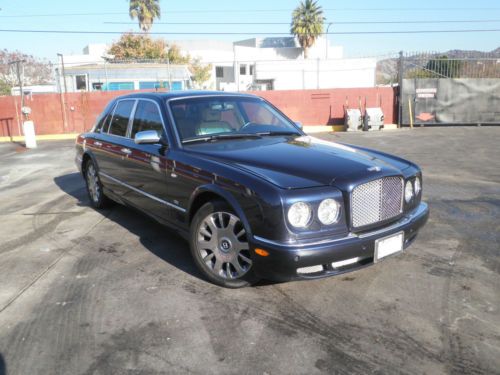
x=199, y=117
x=121, y=116
x=147, y=117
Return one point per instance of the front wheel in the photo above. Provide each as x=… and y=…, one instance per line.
x=219, y=246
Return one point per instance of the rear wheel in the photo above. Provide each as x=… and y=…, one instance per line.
x=94, y=186
x=219, y=246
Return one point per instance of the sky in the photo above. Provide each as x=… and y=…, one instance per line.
x=112, y=16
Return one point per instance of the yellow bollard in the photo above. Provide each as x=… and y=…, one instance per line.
x=411, y=113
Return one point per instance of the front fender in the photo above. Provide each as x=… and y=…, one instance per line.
x=226, y=195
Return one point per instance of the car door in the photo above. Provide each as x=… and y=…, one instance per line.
x=146, y=166
x=112, y=147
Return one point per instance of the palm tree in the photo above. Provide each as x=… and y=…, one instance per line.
x=307, y=23
x=145, y=11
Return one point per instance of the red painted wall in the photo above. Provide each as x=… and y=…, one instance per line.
x=310, y=107
x=326, y=107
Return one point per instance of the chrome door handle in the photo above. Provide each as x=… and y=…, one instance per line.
x=126, y=151
x=98, y=144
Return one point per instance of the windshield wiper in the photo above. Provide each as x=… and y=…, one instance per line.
x=221, y=136
x=281, y=132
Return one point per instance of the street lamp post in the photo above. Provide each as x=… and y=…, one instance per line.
x=326, y=38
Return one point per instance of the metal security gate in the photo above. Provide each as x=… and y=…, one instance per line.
x=437, y=89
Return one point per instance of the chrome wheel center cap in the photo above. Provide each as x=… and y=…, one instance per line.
x=225, y=245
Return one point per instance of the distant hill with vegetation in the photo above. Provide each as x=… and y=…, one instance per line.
x=387, y=69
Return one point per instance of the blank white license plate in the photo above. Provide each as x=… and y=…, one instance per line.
x=389, y=245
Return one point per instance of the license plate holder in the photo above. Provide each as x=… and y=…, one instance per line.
x=389, y=245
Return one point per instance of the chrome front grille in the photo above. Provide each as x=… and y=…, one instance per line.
x=376, y=201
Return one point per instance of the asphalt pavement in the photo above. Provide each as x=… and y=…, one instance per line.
x=113, y=292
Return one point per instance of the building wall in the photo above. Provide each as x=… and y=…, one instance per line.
x=322, y=74
x=310, y=107
x=326, y=107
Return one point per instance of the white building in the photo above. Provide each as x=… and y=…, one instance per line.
x=251, y=64
x=279, y=64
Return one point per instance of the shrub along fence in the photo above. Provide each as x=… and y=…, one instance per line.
x=77, y=112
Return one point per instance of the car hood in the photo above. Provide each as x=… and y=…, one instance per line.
x=300, y=162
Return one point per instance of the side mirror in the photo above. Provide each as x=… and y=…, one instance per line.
x=299, y=124
x=147, y=137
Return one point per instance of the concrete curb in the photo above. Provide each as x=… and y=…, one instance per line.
x=45, y=137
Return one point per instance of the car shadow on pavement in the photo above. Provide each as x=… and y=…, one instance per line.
x=3, y=366
x=158, y=239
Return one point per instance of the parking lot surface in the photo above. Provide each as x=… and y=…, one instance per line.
x=112, y=292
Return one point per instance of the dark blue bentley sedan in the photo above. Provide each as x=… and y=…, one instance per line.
x=251, y=192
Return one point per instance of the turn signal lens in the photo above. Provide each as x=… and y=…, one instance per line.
x=261, y=252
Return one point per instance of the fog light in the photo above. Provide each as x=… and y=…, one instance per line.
x=346, y=262
x=309, y=270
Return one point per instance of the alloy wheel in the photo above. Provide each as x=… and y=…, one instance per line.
x=222, y=245
x=93, y=183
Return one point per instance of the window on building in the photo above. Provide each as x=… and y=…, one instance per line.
x=219, y=72
x=147, y=117
x=145, y=85
x=252, y=69
x=116, y=86
x=97, y=86
x=243, y=70
x=81, y=82
x=119, y=122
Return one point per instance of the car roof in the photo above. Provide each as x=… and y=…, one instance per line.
x=182, y=94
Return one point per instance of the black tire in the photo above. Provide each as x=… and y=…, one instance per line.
x=94, y=186
x=207, y=242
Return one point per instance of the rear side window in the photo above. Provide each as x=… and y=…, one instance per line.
x=147, y=117
x=121, y=116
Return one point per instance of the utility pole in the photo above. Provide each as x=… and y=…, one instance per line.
x=63, y=72
x=19, y=69
x=400, y=88
x=63, y=95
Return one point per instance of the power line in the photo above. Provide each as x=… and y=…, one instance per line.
x=246, y=33
x=288, y=23
x=202, y=11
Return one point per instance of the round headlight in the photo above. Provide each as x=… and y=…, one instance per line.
x=328, y=211
x=418, y=186
x=299, y=214
x=408, y=192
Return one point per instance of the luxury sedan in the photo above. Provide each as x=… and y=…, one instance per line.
x=255, y=196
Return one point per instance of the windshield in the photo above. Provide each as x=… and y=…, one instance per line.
x=227, y=116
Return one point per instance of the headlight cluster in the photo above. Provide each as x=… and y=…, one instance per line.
x=412, y=189
x=300, y=214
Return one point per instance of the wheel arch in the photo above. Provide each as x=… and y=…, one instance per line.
x=85, y=158
x=208, y=193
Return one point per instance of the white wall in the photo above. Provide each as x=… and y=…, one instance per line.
x=303, y=74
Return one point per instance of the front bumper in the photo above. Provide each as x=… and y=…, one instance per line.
x=284, y=259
